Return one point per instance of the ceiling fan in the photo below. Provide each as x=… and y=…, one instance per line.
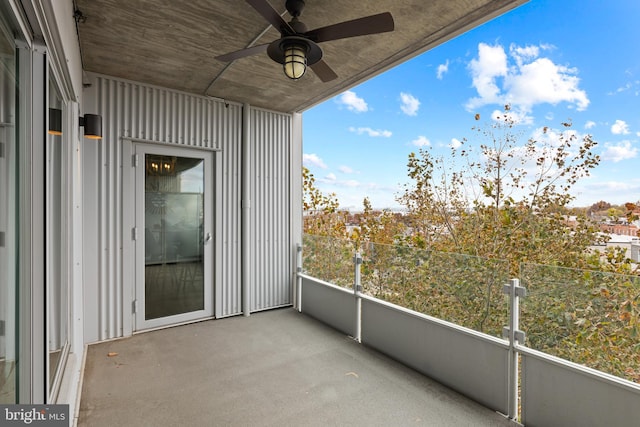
x=297, y=47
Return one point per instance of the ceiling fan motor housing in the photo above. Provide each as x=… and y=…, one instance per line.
x=294, y=7
x=277, y=47
x=298, y=26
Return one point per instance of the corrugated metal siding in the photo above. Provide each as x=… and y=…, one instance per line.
x=270, y=215
x=109, y=280
x=140, y=112
x=230, y=134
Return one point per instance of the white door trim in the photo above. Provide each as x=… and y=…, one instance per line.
x=210, y=189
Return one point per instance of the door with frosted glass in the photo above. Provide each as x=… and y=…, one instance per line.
x=174, y=242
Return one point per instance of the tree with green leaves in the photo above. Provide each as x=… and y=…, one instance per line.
x=501, y=199
x=498, y=198
x=327, y=253
x=378, y=226
x=321, y=214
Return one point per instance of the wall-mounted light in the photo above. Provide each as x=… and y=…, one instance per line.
x=55, y=121
x=92, y=124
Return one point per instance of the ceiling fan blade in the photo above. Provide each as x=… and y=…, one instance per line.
x=323, y=71
x=373, y=24
x=242, y=53
x=272, y=16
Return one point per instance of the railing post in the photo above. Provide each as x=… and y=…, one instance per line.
x=515, y=336
x=298, y=288
x=357, y=288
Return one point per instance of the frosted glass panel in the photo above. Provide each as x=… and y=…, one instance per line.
x=174, y=240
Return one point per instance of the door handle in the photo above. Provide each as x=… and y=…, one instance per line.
x=206, y=239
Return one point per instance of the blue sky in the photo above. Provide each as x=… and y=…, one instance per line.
x=552, y=61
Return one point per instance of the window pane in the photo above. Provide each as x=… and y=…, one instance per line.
x=8, y=221
x=57, y=277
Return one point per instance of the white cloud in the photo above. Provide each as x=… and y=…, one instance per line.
x=491, y=64
x=371, y=132
x=522, y=79
x=590, y=124
x=421, y=141
x=353, y=102
x=524, y=53
x=313, y=160
x=518, y=117
x=350, y=193
x=555, y=137
x=410, y=104
x=345, y=169
x=542, y=81
x=442, y=70
x=620, y=127
x=624, y=88
x=619, y=152
x=332, y=180
x=631, y=86
x=547, y=140
x=455, y=143
x=617, y=192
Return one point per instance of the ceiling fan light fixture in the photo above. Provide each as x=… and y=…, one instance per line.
x=295, y=60
x=297, y=47
x=295, y=54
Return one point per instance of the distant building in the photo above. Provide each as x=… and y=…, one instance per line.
x=631, y=244
x=622, y=229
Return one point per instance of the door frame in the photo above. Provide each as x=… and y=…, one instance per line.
x=136, y=216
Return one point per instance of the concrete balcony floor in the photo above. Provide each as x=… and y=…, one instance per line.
x=275, y=368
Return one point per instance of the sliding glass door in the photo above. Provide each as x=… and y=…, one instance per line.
x=8, y=219
x=57, y=241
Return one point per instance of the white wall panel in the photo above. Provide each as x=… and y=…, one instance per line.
x=559, y=393
x=227, y=125
x=467, y=361
x=141, y=113
x=270, y=246
x=330, y=304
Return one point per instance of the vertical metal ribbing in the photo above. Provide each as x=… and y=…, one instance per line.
x=246, y=211
x=137, y=111
x=103, y=285
x=284, y=236
x=116, y=203
x=271, y=268
x=229, y=132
